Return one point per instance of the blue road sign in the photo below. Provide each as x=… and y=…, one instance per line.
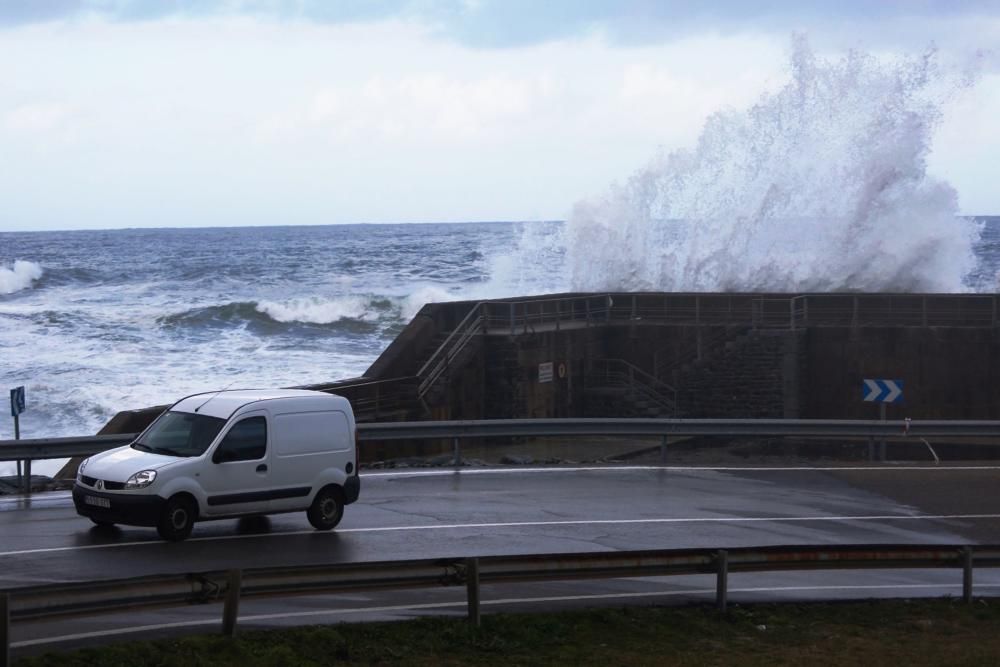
x=882, y=391
x=16, y=401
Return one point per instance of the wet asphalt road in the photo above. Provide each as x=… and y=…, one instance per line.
x=443, y=513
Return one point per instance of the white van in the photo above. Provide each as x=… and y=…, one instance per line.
x=228, y=454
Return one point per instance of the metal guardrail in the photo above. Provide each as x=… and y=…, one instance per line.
x=43, y=448
x=95, y=597
x=61, y=448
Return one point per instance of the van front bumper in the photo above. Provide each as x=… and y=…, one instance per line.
x=125, y=508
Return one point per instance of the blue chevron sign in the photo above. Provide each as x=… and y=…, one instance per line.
x=882, y=391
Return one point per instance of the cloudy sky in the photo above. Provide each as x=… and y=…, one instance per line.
x=133, y=113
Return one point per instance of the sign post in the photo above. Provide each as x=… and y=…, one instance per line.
x=16, y=408
x=882, y=392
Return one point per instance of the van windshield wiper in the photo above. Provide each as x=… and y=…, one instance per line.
x=141, y=447
x=166, y=450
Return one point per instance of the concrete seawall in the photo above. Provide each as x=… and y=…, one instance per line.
x=680, y=355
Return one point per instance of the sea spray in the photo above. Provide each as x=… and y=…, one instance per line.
x=535, y=266
x=820, y=186
x=18, y=277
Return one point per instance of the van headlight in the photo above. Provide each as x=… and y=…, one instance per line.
x=83, y=464
x=141, y=479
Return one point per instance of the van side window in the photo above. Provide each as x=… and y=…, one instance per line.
x=246, y=441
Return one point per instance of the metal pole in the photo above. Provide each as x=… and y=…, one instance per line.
x=881, y=444
x=17, y=436
x=722, y=580
x=967, y=574
x=231, y=607
x=472, y=589
x=4, y=629
x=26, y=479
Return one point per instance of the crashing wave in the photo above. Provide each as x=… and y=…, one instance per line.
x=19, y=277
x=819, y=186
x=316, y=310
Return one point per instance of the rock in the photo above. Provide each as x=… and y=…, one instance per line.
x=510, y=459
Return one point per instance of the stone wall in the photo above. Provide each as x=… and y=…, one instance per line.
x=948, y=372
x=753, y=375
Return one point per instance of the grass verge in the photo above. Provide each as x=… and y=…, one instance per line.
x=911, y=633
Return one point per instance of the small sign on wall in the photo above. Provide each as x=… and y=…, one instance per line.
x=882, y=391
x=545, y=372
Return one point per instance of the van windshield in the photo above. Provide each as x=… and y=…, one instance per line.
x=180, y=434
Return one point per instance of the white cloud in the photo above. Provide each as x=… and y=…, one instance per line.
x=431, y=106
x=36, y=117
x=241, y=121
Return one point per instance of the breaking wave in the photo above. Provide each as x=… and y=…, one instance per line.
x=819, y=186
x=412, y=304
x=19, y=277
x=315, y=310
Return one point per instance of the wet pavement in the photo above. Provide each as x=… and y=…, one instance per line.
x=516, y=510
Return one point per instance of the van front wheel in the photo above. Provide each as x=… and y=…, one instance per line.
x=177, y=519
x=327, y=509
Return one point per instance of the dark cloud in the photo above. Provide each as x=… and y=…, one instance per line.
x=17, y=13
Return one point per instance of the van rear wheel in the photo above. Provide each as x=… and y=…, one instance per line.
x=177, y=519
x=327, y=509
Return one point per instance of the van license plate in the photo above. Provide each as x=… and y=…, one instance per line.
x=97, y=502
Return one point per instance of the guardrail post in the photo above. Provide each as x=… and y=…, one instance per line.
x=231, y=607
x=722, y=579
x=27, y=477
x=472, y=589
x=4, y=629
x=967, y=574
x=458, y=452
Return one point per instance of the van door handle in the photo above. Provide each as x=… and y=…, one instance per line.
x=262, y=467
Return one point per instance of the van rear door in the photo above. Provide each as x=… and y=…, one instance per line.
x=308, y=445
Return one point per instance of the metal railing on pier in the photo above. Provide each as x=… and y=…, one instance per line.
x=785, y=311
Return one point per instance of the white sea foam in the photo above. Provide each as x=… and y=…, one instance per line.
x=316, y=310
x=412, y=304
x=19, y=277
x=819, y=186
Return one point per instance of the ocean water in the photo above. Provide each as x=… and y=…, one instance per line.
x=820, y=186
x=92, y=322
